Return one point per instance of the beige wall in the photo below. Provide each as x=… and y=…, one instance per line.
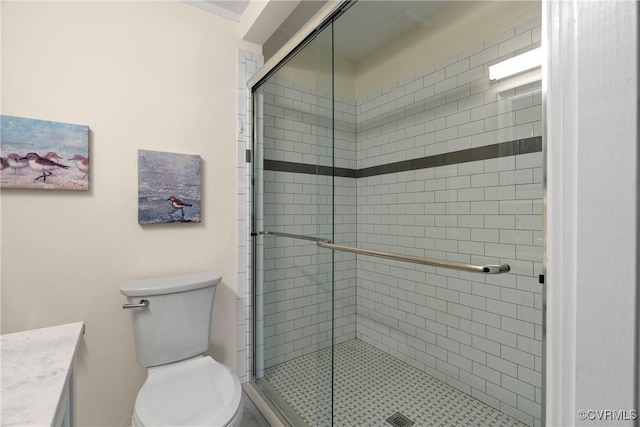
x=149, y=75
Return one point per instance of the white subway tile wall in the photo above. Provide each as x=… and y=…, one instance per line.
x=298, y=121
x=297, y=274
x=480, y=334
x=248, y=64
x=453, y=111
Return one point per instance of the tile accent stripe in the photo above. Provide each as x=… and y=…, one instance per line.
x=282, y=166
x=503, y=149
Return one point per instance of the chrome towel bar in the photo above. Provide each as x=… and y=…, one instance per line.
x=294, y=236
x=460, y=266
x=489, y=269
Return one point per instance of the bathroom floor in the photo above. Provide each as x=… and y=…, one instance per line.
x=251, y=416
x=250, y=419
x=370, y=387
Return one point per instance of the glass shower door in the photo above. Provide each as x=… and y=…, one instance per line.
x=293, y=210
x=448, y=168
x=386, y=135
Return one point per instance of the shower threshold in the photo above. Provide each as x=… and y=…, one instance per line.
x=369, y=387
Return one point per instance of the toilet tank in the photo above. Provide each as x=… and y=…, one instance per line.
x=176, y=324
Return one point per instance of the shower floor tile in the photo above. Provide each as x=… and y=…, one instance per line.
x=370, y=387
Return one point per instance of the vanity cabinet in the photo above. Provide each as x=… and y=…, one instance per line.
x=39, y=376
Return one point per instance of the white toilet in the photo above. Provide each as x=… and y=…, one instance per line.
x=172, y=326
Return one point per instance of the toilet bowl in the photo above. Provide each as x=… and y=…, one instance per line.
x=172, y=325
x=195, y=392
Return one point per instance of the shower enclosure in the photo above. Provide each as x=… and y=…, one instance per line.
x=397, y=219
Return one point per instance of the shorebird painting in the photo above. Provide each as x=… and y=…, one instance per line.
x=82, y=163
x=16, y=162
x=168, y=177
x=43, y=148
x=53, y=156
x=43, y=165
x=178, y=205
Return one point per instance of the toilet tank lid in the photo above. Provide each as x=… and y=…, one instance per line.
x=168, y=285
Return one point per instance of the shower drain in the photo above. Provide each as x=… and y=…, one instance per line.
x=399, y=420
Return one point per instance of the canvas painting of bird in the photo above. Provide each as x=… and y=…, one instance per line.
x=34, y=154
x=168, y=187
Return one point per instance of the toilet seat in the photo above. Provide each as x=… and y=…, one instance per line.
x=194, y=392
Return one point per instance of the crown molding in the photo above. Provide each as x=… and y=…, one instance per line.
x=209, y=6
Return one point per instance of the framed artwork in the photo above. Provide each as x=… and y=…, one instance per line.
x=168, y=187
x=43, y=154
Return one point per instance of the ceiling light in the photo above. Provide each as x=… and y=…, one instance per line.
x=517, y=64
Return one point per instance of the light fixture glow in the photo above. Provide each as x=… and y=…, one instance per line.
x=517, y=64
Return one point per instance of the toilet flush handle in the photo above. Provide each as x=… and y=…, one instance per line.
x=144, y=303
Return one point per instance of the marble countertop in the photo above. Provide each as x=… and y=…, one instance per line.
x=35, y=365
